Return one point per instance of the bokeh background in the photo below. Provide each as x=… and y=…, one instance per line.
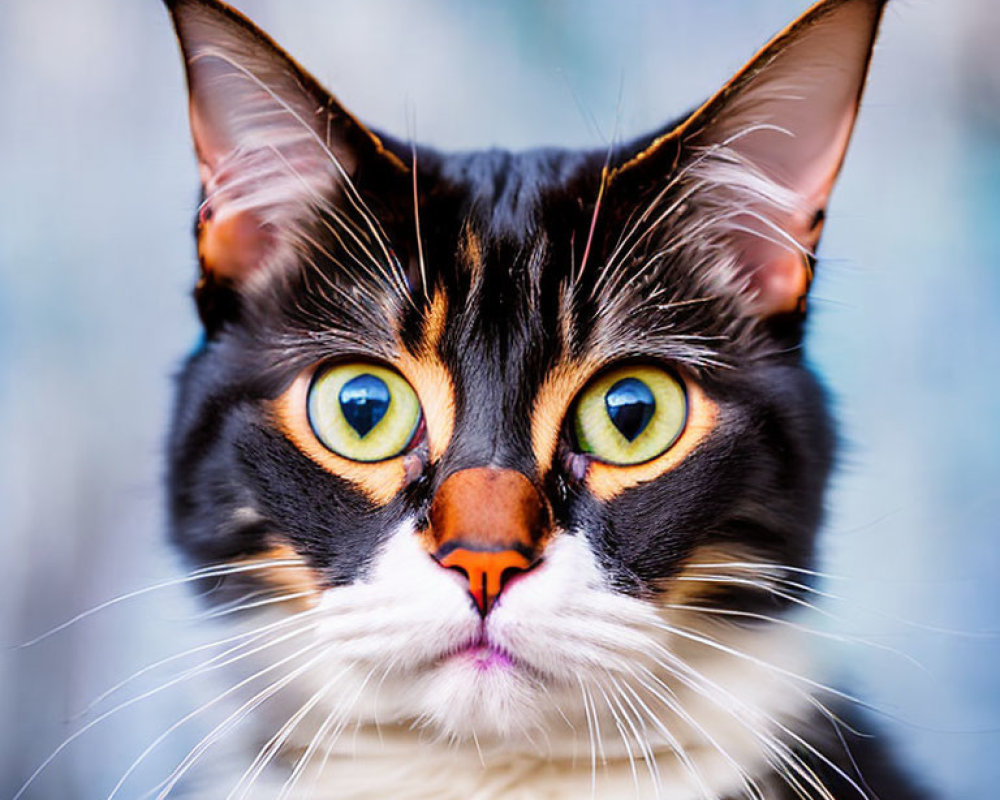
x=97, y=191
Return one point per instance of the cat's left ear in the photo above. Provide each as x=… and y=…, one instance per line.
x=272, y=144
x=761, y=156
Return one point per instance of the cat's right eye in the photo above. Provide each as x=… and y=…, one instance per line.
x=363, y=411
x=630, y=415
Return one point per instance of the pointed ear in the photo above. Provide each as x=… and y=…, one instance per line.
x=763, y=153
x=272, y=144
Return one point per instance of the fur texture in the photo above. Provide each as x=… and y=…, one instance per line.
x=651, y=649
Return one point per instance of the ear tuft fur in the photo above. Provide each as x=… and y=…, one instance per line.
x=272, y=145
x=764, y=152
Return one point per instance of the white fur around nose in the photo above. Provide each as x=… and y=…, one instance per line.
x=399, y=716
x=408, y=610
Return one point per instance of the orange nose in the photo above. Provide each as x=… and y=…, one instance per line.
x=488, y=524
x=486, y=571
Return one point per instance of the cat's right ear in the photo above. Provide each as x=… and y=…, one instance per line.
x=273, y=146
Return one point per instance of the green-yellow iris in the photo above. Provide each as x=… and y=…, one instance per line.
x=363, y=412
x=630, y=415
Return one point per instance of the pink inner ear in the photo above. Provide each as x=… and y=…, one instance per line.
x=260, y=127
x=231, y=241
x=211, y=139
x=231, y=245
x=787, y=120
x=817, y=177
x=261, y=164
x=777, y=277
x=804, y=149
x=775, y=258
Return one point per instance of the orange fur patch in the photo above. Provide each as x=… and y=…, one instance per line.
x=551, y=405
x=431, y=380
x=696, y=582
x=289, y=578
x=471, y=252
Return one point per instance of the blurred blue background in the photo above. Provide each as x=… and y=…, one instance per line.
x=97, y=192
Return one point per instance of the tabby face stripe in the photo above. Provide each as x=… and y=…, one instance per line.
x=551, y=405
x=430, y=379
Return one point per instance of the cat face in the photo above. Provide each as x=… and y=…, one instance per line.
x=500, y=433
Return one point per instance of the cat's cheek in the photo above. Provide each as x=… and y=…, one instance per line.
x=406, y=615
x=562, y=621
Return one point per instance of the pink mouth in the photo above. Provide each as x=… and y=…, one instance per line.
x=484, y=656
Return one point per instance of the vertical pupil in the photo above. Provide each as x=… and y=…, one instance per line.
x=630, y=405
x=364, y=401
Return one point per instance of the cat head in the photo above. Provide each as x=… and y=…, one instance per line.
x=502, y=427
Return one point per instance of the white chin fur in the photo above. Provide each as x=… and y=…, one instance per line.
x=578, y=674
x=557, y=624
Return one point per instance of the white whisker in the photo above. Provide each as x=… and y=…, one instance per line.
x=196, y=752
x=273, y=745
x=835, y=637
x=623, y=736
x=709, y=642
x=672, y=703
x=641, y=738
x=303, y=761
x=590, y=733
x=737, y=702
x=199, y=574
x=250, y=637
x=416, y=222
x=131, y=702
x=269, y=601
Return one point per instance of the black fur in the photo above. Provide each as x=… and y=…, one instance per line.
x=756, y=481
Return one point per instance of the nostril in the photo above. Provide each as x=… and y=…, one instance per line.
x=509, y=574
x=459, y=572
x=485, y=572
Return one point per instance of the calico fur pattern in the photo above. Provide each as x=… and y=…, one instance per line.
x=652, y=652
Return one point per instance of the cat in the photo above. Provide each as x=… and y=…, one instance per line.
x=509, y=463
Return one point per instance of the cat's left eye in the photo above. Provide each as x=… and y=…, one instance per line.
x=630, y=415
x=363, y=412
